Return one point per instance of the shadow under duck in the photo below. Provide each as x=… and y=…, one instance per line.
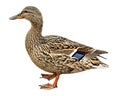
x=56, y=54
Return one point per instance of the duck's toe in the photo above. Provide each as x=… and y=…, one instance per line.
x=47, y=86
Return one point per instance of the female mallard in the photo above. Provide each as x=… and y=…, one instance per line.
x=56, y=54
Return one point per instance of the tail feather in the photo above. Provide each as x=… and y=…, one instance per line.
x=104, y=65
x=100, y=52
x=102, y=57
x=96, y=63
x=95, y=53
x=101, y=65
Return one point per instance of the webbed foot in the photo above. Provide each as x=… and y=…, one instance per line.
x=50, y=86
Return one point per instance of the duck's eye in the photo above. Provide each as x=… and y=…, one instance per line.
x=25, y=11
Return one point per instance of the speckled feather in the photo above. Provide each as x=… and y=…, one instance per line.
x=52, y=53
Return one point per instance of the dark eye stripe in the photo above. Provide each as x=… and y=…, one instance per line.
x=25, y=11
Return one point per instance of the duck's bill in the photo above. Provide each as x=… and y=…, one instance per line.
x=16, y=17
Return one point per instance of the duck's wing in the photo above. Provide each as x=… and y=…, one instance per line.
x=61, y=45
x=70, y=56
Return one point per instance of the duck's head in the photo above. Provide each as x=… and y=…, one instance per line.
x=30, y=13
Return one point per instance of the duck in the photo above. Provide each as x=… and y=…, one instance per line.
x=56, y=54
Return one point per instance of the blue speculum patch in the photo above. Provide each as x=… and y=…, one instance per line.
x=79, y=56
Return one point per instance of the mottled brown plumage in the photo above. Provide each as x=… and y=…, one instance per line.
x=52, y=53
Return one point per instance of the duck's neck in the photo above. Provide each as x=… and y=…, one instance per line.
x=37, y=24
x=36, y=30
x=34, y=36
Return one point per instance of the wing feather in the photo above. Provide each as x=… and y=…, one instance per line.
x=60, y=45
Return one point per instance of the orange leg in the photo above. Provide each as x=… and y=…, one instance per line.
x=51, y=86
x=48, y=76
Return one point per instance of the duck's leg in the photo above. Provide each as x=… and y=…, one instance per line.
x=48, y=76
x=50, y=86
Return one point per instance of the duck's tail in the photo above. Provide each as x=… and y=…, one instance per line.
x=95, y=53
x=94, y=60
x=102, y=65
x=96, y=63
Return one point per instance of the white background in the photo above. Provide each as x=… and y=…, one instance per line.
x=93, y=22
